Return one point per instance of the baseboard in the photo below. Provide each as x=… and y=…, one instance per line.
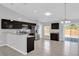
x=24, y=53
x=16, y=49
x=2, y=45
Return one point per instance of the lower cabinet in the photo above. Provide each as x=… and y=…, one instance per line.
x=54, y=36
x=30, y=43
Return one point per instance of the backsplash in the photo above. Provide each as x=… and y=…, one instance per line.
x=54, y=31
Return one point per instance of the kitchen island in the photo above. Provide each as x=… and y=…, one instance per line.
x=21, y=42
x=15, y=35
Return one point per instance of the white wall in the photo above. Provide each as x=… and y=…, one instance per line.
x=9, y=14
x=6, y=13
x=40, y=32
x=18, y=42
x=60, y=31
x=2, y=36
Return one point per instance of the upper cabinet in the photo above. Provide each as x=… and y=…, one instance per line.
x=16, y=25
x=55, y=26
x=8, y=24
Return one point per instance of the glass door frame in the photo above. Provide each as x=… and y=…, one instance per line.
x=70, y=30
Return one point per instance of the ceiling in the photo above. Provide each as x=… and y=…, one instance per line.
x=72, y=11
x=37, y=11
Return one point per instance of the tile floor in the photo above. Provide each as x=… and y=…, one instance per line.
x=46, y=48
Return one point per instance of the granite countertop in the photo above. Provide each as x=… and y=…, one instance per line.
x=30, y=36
x=14, y=33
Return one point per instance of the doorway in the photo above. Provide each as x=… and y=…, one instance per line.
x=71, y=32
x=46, y=30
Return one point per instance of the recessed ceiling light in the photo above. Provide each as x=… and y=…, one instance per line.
x=47, y=13
x=67, y=21
x=62, y=22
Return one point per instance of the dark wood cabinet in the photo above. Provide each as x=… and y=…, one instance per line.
x=54, y=36
x=8, y=24
x=4, y=23
x=30, y=43
x=55, y=26
x=29, y=26
x=17, y=25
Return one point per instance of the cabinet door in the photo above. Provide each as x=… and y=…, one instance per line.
x=29, y=26
x=17, y=25
x=5, y=24
x=54, y=36
x=30, y=44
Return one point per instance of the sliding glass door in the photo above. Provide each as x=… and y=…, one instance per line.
x=71, y=32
